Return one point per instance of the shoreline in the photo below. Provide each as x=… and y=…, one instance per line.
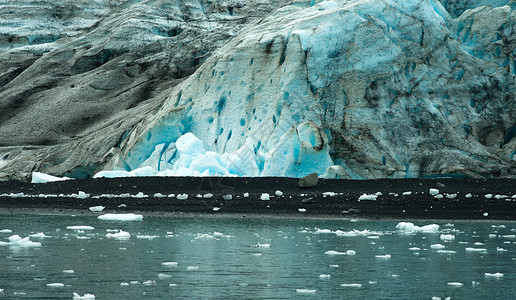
x=400, y=199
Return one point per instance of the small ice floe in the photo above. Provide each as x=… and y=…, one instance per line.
x=227, y=197
x=149, y=283
x=414, y=249
x=147, y=237
x=351, y=252
x=265, y=197
x=207, y=195
x=39, y=235
x=122, y=235
x=407, y=193
x=325, y=276
x=246, y=195
x=493, y=275
x=163, y=276
x=489, y=196
x=451, y=196
x=334, y=266
x=278, y=193
x=498, y=249
x=80, y=195
x=182, y=196
x=485, y=214
x=263, y=245
x=457, y=284
x=192, y=268
x=438, y=196
x=120, y=217
x=80, y=227
x=6, y=231
x=333, y=252
x=170, y=264
x=447, y=237
x=172, y=285
x=354, y=232
x=366, y=197
x=433, y=192
x=470, y=249
x=18, y=241
x=410, y=227
x=446, y=251
x=468, y=195
x=478, y=244
x=68, y=271
x=351, y=285
x=437, y=246
x=329, y=194
x=301, y=209
x=501, y=197
x=385, y=256
x=305, y=291
x=216, y=208
x=84, y=297
x=319, y=231
x=56, y=285
x=97, y=208
x=509, y=236
x=124, y=283
x=159, y=195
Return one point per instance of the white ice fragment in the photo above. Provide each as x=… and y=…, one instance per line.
x=207, y=196
x=80, y=227
x=120, y=217
x=386, y=256
x=56, y=284
x=457, y=284
x=182, y=196
x=447, y=237
x=437, y=246
x=478, y=244
x=192, y=268
x=414, y=249
x=433, y=192
x=325, y=276
x=498, y=249
x=468, y=195
x=124, y=283
x=246, y=195
x=86, y=296
x=334, y=266
x=319, y=231
x=364, y=197
x=39, y=235
x=438, y=196
x=80, y=195
x=163, y=276
x=352, y=285
x=509, y=236
x=410, y=227
x=227, y=197
x=354, y=232
x=216, y=209
x=6, y=231
x=68, y=271
x=494, y=275
x=121, y=235
x=17, y=241
x=451, y=196
x=159, y=195
x=306, y=291
x=469, y=249
x=278, y=193
x=98, y=208
x=265, y=197
x=489, y=196
x=140, y=195
x=147, y=237
x=333, y=252
x=301, y=209
x=351, y=252
x=170, y=264
x=329, y=194
x=149, y=283
x=407, y=193
x=446, y=251
x=38, y=177
x=264, y=245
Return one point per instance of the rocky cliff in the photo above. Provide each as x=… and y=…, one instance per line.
x=379, y=88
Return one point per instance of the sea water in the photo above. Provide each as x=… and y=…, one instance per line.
x=254, y=258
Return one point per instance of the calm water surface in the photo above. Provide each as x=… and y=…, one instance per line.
x=255, y=259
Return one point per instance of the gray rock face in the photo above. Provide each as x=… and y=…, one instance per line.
x=389, y=88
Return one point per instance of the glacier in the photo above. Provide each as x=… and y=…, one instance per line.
x=350, y=89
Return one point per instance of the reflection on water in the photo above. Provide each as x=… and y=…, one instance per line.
x=170, y=258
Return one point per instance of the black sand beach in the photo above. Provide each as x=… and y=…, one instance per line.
x=295, y=201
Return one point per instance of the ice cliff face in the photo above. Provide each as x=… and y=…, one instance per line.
x=377, y=88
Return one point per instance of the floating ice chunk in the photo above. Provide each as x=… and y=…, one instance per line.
x=433, y=192
x=98, y=208
x=501, y=196
x=124, y=283
x=364, y=197
x=6, y=231
x=437, y=246
x=120, y=217
x=457, y=284
x=278, y=193
x=80, y=195
x=301, y=209
x=170, y=264
x=207, y=196
x=468, y=195
x=407, y=193
x=56, y=284
x=80, y=227
x=489, y=196
x=122, y=235
x=216, y=209
x=163, y=276
x=485, y=214
x=305, y=291
x=38, y=177
x=329, y=194
x=192, y=268
x=86, y=296
x=227, y=197
x=447, y=237
x=140, y=195
x=509, y=236
x=149, y=283
x=478, y=244
x=351, y=252
x=264, y=245
x=469, y=249
x=501, y=249
x=182, y=196
x=147, y=237
x=159, y=195
x=325, y=276
x=494, y=275
x=386, y=256
x=265, y=197
x=414, y=249
x=446, y=251
x=18, y=241
x=354, y=232
x=39, y=235
x=334, y=266
x=451, y=196
x=333, y=252
x=68, y=271
x=410, y=227
x=319, y=231
x=246, y=195
x=352, y=285
x=438, y=196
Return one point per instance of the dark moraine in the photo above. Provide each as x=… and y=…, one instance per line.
x=418, y=205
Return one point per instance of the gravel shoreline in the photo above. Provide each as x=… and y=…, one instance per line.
x=399, y=199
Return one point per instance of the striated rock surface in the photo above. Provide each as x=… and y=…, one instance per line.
x=381, y=88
